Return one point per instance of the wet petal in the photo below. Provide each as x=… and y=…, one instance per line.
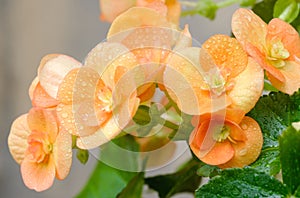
x=32, y=87
x=291, y=73
x=62, y=153
x=284, y=32
x=174, y=10
x=219, y=154
x=227, y=54
x=53, y=69
x=17, y=139
x=247, y=87
x=246, y=152
x=38, y=176
x=247, y=27
x=43, y=121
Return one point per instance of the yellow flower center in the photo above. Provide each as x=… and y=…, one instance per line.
x=277, y=54
x=215, y=81
x=221, y=133
x=105, y=97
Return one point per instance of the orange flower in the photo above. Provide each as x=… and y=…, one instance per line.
x=275, y=46
x=151, y=38
x=99, y=99
x=226, y=139
x=214, y=77
x=112, y=8
x=41, y=147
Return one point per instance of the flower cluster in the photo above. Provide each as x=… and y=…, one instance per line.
x=85, y=105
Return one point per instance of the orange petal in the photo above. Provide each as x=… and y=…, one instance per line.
x=291, y=73
x=157, y=5
x=247, y=89
x=247, y=28
x=38, y=176
x=184, y=39
x=17, y=139
x=62, y=153
x=234, y=115
x=247, y=152
x=236, y=132
x=278, y=29
x=43, y=121
x=52, y=71
x=137, y=17
x=110, y=9
x=42, y=99
x=227, y=54
x=220, y=154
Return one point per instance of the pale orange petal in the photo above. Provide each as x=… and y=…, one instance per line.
x=158, y=5
x=42, y=99
x=44, y=121
x=32, y=87
x=108, y=131
x=62, y=153
x=110, y=9
x=73, y=123
x=227, y=54
x=247, y=27
x=106, y=57
x=52, y=72
x=137, y=17
x=284, y=32
x=234, y=115
x=248, y=87
x=247, y=152
x=38, y=176
x=17, y=139
x=291, y=73
x=184, y=39
x=174, y=10
x=219, y=154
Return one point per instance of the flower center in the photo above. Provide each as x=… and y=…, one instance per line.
x=221, y=133
x=105, y=97
x=278, y=54
x=216, y=81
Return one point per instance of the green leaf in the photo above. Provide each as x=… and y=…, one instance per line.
x=274, y=113
x=290, y=158
x=142, y=115
x=134, y=188
x=268, y=161
x=286, y=10
x=184, y=180
x=296, y=23
x=264, y=9
x=208, y=171
x=107, y=179
x=82, y=155
x=105, y=182
x=245, y=183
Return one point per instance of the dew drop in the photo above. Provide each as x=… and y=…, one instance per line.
x=244, y=126
x=64, y=115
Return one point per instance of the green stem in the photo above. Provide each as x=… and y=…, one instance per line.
x=226, y=3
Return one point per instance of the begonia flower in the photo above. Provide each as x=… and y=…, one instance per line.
x=151, y=38
x=275, y=46
x=226, y=139
x=218, y=75
x=98, y=100
x=41, y=147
